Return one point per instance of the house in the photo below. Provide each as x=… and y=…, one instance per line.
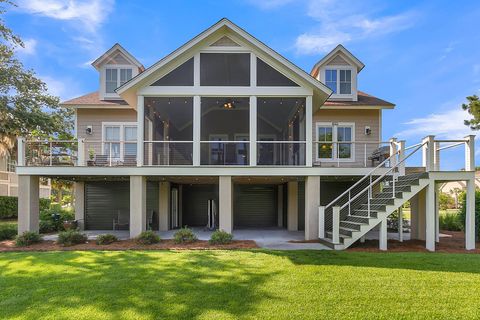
x=225, y=127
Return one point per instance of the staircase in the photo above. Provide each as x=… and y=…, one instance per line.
x=369, y=202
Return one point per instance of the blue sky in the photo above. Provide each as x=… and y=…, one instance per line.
x=421, y=55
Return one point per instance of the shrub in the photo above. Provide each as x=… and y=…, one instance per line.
x=184, y=235
x=450, y=222
x=9, y=206
x=148, y=237
x=71, y=237
x=8, y=231
x=446, y=201
x=106, y=239
x=463, y=197
x=27, y=238
x=52, y=219
x=220, y=237
x=47, y=226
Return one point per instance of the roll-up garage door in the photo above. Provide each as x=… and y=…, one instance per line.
x=104, y=201
x=195, y=201
x=255, y=206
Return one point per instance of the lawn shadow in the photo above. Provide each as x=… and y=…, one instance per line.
x=141, y=284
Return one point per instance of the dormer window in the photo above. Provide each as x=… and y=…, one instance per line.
x=344, y=86
x=115, y=77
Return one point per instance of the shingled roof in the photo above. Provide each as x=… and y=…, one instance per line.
x=364, y=99
x=93, y=99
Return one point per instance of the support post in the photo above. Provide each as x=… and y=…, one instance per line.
x=21, y=152
x=309, y=132
x=470, y=153
x=81, y=152
x=253, y=131
x=79, y=189
x=28, y=203
x=436, y=156
x=321, y=222
x=383, y=235
x=164, y=206
x=393, y=150
x=138, y=205
x=336, y=224
x=312, y=202
x=197, y=118
x=292, y=206
x=225, y=208
x=140, y=129
x=437, y=212
x=400, y=224
x=470, y=216
x=401, y=156
x=428, y=153
x=430, y=216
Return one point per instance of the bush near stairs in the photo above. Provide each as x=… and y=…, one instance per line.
x=463, y=198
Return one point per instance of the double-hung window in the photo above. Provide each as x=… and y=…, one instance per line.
x=335, y=141
x=339, y=80
x=119, y=139
x=115, y=77
x=331, y=79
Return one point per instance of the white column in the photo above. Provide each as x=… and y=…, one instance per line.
x=164, y=206
x=321, y=222
x=292, y=206
x=470, y=216
x=336, y=224
x=21, y=151
x=81, y=152
x=225, y=207
x=138, y=205
x=253, y=131
x=430, y=216
x=309, y=132
x=197, y=118
x=400, y=224
x=470, y=153
x=393, y=150
x=79, y=188
x=280, y=206
x=383, y=235
x=401, y=156
x=28, y=203
x=437, y=212
x=436, y=156
x=428, y=153
x=312, y=202
x=196, y=70
x=140, y=129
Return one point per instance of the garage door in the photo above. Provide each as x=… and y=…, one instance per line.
x=195, y=201
x=103, y=202
x=255, y=206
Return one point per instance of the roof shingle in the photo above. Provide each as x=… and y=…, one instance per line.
x=364, y=99
x=93, y=99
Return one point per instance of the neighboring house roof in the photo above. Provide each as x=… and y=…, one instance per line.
x=93, y=99
x=226, y=25
x=357, y=63
x=111, y=51
x=364, y=99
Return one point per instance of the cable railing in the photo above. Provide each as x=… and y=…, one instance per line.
x=39, y=153
x=281, y=153
x=168, y=153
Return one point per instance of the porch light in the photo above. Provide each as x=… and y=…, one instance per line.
x=228, y=105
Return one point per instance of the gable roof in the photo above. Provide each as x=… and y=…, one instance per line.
x=357, y=63
x=111, y=51
x=364, y=100
x=93, y=99
x=230, y=26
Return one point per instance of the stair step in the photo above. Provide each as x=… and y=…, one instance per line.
x=364, y=213
x=357, y=219
x=328, y=243
x=374, y=207
x=398, y=188
x=351, y=225
x=342, y=237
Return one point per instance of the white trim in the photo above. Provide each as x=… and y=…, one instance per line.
x=308, y=131
x=332, y=53
x=334, y=126
x=197, y=119
x=353, y=96
x=122, y=126
x=103, y=79
x=207, y=91
x=356, y=107
x=253, y=131
x=122, y=50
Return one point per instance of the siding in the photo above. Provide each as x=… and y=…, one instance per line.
x=338, y=60
x=361, y=118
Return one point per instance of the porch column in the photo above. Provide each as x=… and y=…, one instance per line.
x=164, y=206
x=225, y=208
x=79, y=188
x=470, y=216
x=417, y=216
x=437, y=209
x=197, y=118
x=253, y=131
x=383, y=235
x=309, y=131
x=292, y=206
x=430, y=216
x=140, y=129
x=28, y=203
x=312, y=202
x=138, y=205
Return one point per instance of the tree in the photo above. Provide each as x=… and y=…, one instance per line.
x=25, y=104
x=473, y=108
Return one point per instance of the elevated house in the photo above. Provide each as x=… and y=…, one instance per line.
x=226, y=128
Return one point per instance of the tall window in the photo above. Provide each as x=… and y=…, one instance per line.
x=345, y=81
x=335, y=141
x=331, y=79
x=120, y=139
x=115, y=77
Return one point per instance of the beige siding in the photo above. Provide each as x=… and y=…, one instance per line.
x=119, y=58
x=361, y=118
x=338, y=60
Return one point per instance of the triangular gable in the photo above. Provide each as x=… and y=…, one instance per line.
x=341, y=52
x=225, y=42
x=117, y=52
x=211, y=35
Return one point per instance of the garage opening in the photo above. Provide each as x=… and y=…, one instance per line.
x=195, y=201
x=255, y=206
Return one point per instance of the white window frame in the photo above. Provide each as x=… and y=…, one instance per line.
x=334, y=126
x=122, y=141
x=353, y=93
x=103, y=78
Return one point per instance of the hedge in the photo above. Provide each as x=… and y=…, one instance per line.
x=9, y=206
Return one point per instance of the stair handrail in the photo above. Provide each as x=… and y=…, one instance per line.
x=383, y=175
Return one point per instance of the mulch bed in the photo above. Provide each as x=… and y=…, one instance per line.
x=9, y=245
x=453, y=244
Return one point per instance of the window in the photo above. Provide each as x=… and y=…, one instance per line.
x=225, y=69
x=181, y=76
x=115, y=77
x=339, y=80
x=345, y=81
x=331, y=79
x=335, y=141
x=119, y=139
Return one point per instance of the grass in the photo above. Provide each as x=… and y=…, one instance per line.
x=407, y=212
x=8, y=222
x=238, y=284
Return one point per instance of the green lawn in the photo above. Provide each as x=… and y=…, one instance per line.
x=238, y=284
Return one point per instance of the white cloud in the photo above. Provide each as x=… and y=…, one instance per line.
x=446, y=125
x=62, y=88
x=340, y=22
x=30, y=47
x=89, y=13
